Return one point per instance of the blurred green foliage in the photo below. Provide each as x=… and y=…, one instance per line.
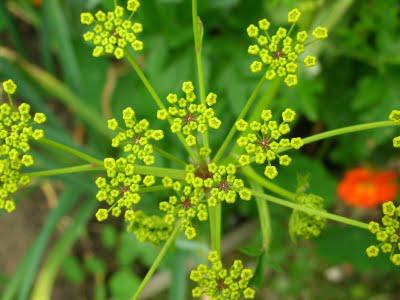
x=357, y=80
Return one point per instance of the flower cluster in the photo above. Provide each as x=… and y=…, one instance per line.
x=387, y=234
x=16, y=132
x=147, y=228
x=366, y=188
x=186, y=205
x=120, y=189
x=218, y=183
x=304, y=224
x=136, y=137
x=280, y=52
x=111, y=32
x=219, y=283
x=263, y=141
x=188, y=117
x=395, y=117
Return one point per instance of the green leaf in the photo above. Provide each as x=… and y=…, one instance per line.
x=122, y=284
x=95, y=265
x=108, y=236
x=73, y=270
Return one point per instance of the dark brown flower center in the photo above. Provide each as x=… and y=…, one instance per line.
x=224, y=185
x=279, y=53
x=186, y=203
x=203, y=172
x=188, y=118
x=123, y=190
x=264, y=143
x=221, y=285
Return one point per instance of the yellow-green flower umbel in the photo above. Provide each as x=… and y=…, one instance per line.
x=152, y=228
x=395, y=117
x=16, y=133
x=112, y=32
x=186, y=206
x=136, y=137
x=120, y=190
x=217, y=183
x=219, y=283
x=189, y=118
x=262, y=141
x=387, y=234
x=281, y=52
x=303, y=224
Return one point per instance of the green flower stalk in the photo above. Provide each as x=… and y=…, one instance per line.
x=262, y=141
x=16, y=132
x=112, y=32
x=190, y=118
x=387, y=233
x=281, y=52
x=219, y=283
x=302, y=224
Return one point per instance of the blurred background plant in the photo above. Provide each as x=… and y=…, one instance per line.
x=52, y=248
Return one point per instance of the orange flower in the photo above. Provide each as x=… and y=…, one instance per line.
x=365, y=188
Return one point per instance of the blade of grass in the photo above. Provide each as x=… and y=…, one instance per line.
x=54, y=20
x=11, y=29
x=65, y=203
x=179, y=276
x=45, y=281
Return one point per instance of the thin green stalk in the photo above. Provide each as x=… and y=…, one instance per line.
x=308, y=210
x=169, y=156
x=250, y=173
x=242, y=114
x=157, y=261
x=142, y=170
x=71, y=151
x=155, y=96
x=344, y=130
x=63, y=171
x=215, y=227
x=144, y=79
x=198, y=43
x=264, y=218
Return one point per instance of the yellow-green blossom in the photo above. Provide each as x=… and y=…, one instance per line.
x=217, y=183
x=262, y=141
x=395, y=117
x=113, y=31
x=303, y=224
x=387, y=233
x=186, y=206
x=16, y=132
x=189, y=118
x=148, y=228
x=136, y=137
x=120, y=189
x=219, y=283
x=280, y=52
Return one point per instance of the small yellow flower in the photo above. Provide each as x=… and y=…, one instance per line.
x=310, y=61
x=294, y=15
x=9, y=87
x=320, y=33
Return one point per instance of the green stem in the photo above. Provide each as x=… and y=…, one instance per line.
x=169, y=156
x=250, y=173
x=198, y=41
x=242, y=114
x=71, y=151
x=63, y=171
x=264, y=217
x=157, y=261
x=343, y=130
x=142, y=170
x=144, y=79
x=155, y=97
x=215, y=227
x=308, y=210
